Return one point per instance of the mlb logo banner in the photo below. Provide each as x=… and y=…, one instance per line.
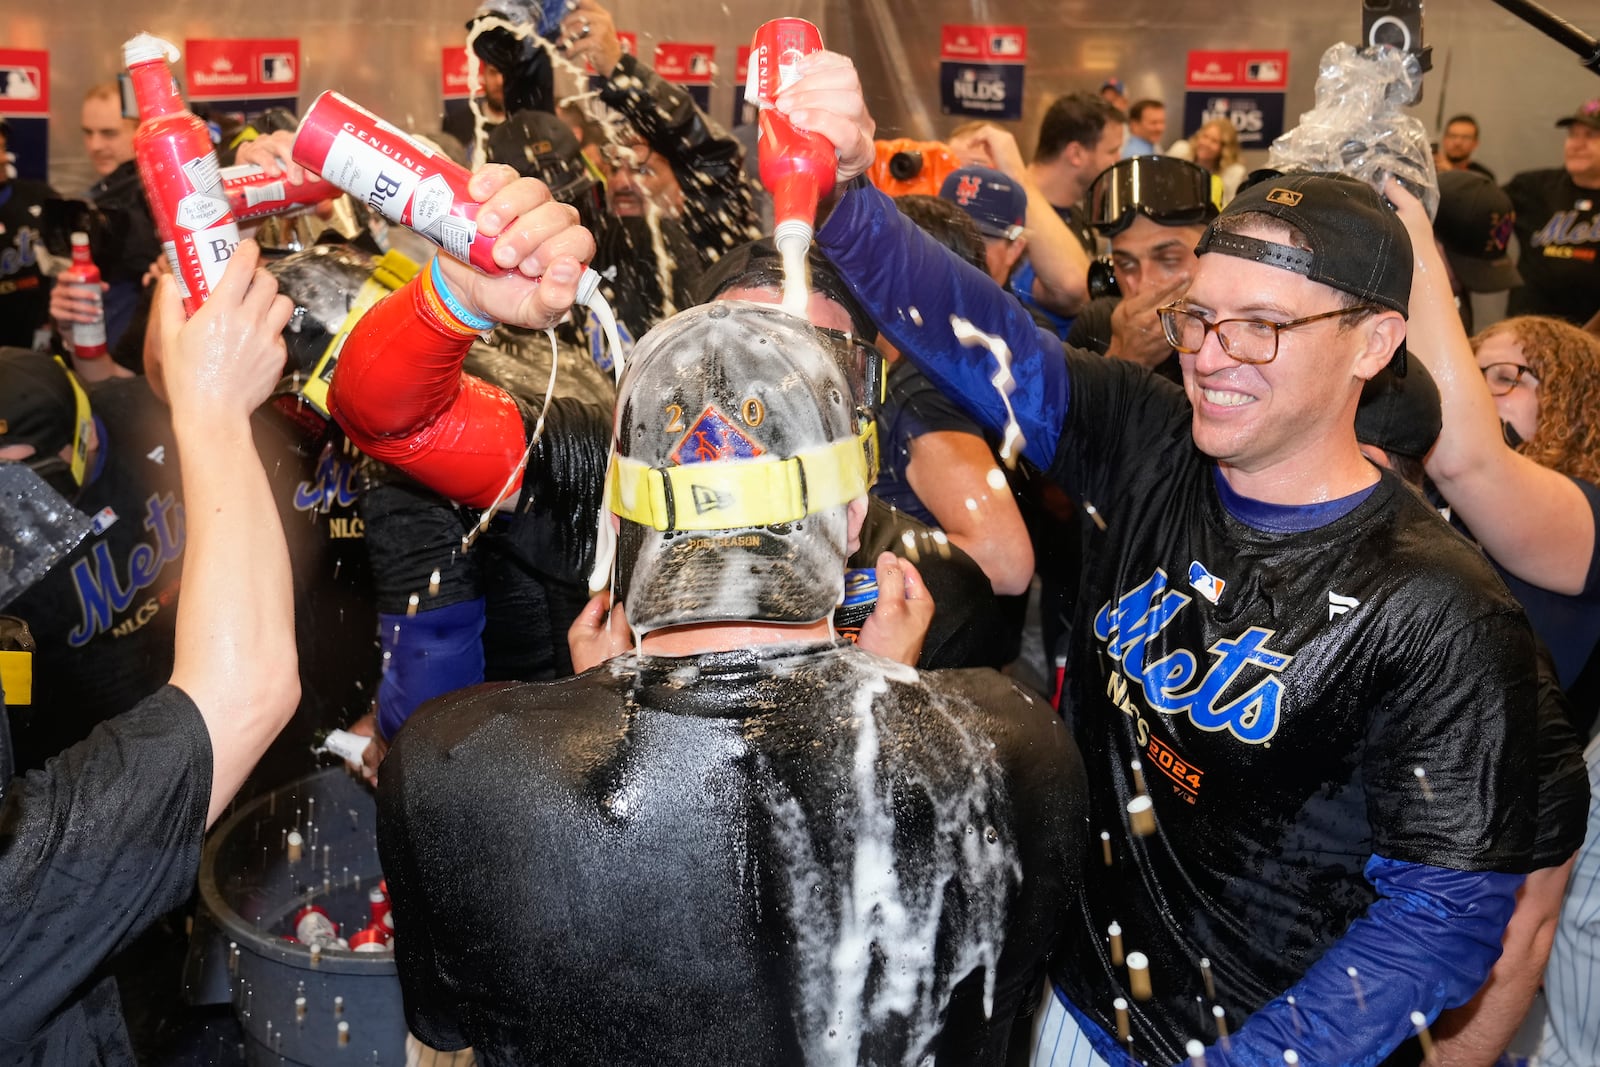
x=980, y=70
x=242, y=69
x=24, y=82
x=242, y=76
x=1246, y=87
x=1244, y=71
x=689, y=65
x=25, y=102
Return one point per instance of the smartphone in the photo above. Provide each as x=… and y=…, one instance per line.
x=1397, y=23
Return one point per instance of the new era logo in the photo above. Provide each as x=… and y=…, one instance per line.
x=1339, y=605
x=1286, y=197
x=709, y=499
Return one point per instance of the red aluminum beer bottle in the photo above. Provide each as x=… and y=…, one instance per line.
x=180, y=174
x=405, y=181
x=373, y=938
x=253, y=194
x=797, y=167
x=88, y=338
x=410, y=184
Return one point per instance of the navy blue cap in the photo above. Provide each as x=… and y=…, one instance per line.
x=996, y=203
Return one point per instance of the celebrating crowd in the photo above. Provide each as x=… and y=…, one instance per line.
x=1126, y=616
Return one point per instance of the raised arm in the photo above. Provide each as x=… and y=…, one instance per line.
x=1533, y=521
x=235, y=654
x=1060, y=264
x=913, y=288
x=719, y=211
x=399, y=390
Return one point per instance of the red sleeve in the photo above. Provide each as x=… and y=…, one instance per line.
x=399, y=392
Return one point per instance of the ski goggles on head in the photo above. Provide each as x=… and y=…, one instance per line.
x=862, y=366
x=1166, y=190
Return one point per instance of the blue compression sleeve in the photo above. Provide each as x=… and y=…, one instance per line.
x=911, y=285
x=425, y=655
x=1427, y=943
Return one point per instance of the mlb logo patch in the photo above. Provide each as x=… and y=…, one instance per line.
x=103, y=520
x=713, y=437
x=1286, y=197
x=1205, y=583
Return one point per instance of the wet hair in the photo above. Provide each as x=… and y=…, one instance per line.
x=1076, y=118
x=1566, y=360
x=757, y=265
x=947, y=224
x=1136, y=112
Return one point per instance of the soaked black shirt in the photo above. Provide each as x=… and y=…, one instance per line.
x=94, y=849
x=1279, y=690
x=1558, y=232
x=104, y=616
x=796, y=854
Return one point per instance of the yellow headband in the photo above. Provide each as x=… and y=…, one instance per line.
x=744, y=493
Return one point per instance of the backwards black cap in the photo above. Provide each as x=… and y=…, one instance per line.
x=1400, y=413
x=1358, y=244
x=37, y=404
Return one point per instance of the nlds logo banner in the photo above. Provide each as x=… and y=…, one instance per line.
x=980, y=70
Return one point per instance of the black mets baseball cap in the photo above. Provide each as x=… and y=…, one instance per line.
x=1474, y=225
x=1358, y=244
x=37, y=404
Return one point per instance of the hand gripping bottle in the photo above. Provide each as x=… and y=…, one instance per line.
x=409, y=183
x=796, y=167
x=179, y=170
x=88, y=339
x=401, y=179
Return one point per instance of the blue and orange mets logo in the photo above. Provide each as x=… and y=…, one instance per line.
x=714, y=437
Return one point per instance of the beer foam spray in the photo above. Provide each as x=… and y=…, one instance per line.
x=178, y=168
x=797, y=167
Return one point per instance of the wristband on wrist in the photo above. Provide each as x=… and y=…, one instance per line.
x=448, y=307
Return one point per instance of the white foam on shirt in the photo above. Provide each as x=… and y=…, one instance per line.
x=872, y=966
